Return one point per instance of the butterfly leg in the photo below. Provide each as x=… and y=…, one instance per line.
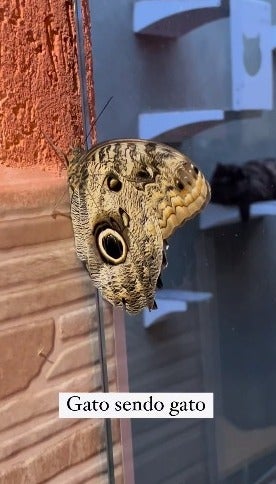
x=154, y=305
x=55, y=213
x=159, y=283
x=57, y=150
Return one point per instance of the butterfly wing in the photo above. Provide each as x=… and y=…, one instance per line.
x=127, y=196
x=180, y=191
x=116, y=235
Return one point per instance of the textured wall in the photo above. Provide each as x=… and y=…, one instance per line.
x=48, y=342
x=48, y=317
x=39, y=88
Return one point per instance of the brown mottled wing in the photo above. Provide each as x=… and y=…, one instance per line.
x=126, y=197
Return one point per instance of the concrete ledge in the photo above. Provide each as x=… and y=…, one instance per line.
x=174, y=125
x=173, y=300
x=31, y=188
x=173, y=18
x=215, y=214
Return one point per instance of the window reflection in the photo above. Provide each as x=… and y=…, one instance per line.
x=206, y=88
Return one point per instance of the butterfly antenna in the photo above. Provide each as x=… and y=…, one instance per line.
x=58, y=151
x=98, y=117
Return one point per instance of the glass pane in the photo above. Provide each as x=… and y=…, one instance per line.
x=211, y=70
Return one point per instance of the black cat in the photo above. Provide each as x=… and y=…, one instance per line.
x=254, y=181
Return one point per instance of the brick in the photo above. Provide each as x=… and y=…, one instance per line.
x=55, y=457
x=20, y=361
x=14, y=304
x=95, y=468
x=115, y=425
x=33, y=435
x=77, y=323
x=116, y=450
x=83, y=321
x=47, y=190
x=79, y=355
x=36, y=230
x=32, y=266
x=43, y=402
x=118, y=473
x=96, y=377
x=35, y=403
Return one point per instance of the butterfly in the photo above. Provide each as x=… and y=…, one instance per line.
x=128, y=196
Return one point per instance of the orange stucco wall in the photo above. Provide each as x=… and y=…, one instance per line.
x=39, y=88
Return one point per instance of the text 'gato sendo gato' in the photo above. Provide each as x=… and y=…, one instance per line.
x=127, y=197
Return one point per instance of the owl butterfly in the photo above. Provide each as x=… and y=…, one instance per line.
x=127, y=197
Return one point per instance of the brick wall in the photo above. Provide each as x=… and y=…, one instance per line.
x=48, y=340
x=48, y=317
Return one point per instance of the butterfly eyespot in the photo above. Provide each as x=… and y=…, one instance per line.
x=111, y=245
x=143, y=174
x=124, y=216
x=179, y=184
x=114, y=184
